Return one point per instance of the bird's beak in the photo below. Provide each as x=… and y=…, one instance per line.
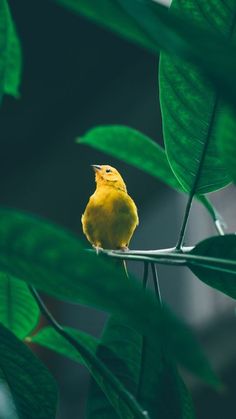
x=96, y=167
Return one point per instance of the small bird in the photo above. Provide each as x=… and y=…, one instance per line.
x=111, y=216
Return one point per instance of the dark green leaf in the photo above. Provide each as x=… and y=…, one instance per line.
x=120, y=350
x=18, y=310
x=10, y=62
x=141, y=368
x=110, y=14
x=115, y=394
x=224, y=248
x=190, y=106
x=50, y=339
x=227, y=140
x=31, y=386
x=55, y=262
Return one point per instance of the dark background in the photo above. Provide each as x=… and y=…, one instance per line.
x=76, y=76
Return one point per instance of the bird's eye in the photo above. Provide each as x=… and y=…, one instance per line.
x=108, y=171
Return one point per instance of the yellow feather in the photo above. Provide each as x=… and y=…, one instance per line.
x=111, y=216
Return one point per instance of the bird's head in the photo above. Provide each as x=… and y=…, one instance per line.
x=108, y=176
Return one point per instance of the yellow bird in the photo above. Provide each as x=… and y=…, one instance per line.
x=111, y=216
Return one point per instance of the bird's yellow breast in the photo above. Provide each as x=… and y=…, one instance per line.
x=110, y=218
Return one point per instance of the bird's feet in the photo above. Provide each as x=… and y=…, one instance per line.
x=98, y=249
x=124, y=248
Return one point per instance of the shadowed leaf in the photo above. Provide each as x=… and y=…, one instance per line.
x=30, y=384
x=223, y=279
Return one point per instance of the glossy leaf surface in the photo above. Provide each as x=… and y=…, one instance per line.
x=190, y=106
x=18, y=310
x=54, y=261
x=31, y=386
x=224, y=248
x=10, y=61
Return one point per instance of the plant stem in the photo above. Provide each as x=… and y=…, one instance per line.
x=185, y=220
x=145, y=274
x=156, y=283
x=90, y=358
x=144, y=342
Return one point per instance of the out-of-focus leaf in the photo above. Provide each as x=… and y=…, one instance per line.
x=31, y=386
x=109, y=13
x=55, y=262
x=18, y=310
x=10, y=61
x=52, y=340
x=142, y=369
x=227, y=140
x=191, y=107
x=224, y=277
x=170, y=32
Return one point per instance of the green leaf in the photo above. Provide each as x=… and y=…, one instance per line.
x=227, y=140
x=134, y=148
x=191, y=108
x=50, y=339
x=141, y=368
x=120, y=350
x=11, y=61
x=55, y=262
x=222, y=278
x=30, y=384
x=115, y=394
x=18, y=310
x=109, y=13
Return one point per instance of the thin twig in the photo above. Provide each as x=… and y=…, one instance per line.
x=90, y=358
x=156, y=283
x=145, y=274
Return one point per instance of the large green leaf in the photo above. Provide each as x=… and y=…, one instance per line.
x=153, y=381
x=30, y=384
x=10, y=61
x=18, y=309
x=223, y=279
x=55, y=262
x=227, y=140
x=190, y=106
x=52, y=340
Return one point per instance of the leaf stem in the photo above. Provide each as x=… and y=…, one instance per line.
x=92, y=359
x=156, y=283
x=185, y=220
